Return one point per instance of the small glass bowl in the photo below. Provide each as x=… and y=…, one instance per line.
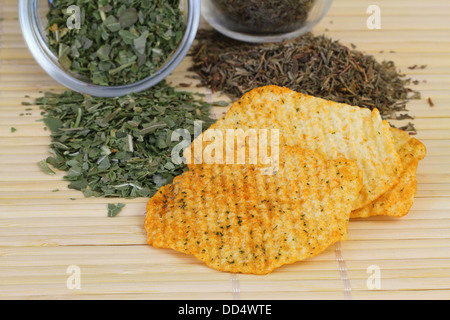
x=268, y=21
x=33, y=22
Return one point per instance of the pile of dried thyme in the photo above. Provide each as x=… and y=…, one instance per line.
x=314, y=65
x=117, y=42
x=119, y=147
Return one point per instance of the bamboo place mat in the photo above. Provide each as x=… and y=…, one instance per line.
x=43, y=233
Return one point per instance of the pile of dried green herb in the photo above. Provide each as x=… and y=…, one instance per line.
x=266, y=16
x=314, y=65
x=119, y=41
x=119, y=147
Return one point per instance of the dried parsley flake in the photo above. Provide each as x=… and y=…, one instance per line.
x=114, y=209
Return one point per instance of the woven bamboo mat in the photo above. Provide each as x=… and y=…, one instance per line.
x=42, y=232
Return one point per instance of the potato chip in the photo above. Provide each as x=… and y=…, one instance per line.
x=236, y=218
x=398, y=200
x=332, y=129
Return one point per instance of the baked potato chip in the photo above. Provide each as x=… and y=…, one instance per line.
x=334, y=130
x=236, y=218
x=398, y=200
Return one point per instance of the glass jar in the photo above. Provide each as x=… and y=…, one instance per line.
x=33, y=22
x=264, y=20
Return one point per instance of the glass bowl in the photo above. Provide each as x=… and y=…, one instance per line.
x=33, y=22
x=264, y=20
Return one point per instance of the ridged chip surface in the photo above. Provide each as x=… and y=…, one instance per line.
x=397, y=201
x=236, y=219
x=332, y=129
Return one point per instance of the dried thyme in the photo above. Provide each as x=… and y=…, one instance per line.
x=119, y=147
x=118, y=42
x=265, y=16
x=314, y=65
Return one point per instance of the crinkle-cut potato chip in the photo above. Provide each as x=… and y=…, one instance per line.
x=332, y=129
x=235, y=218
x=398, y=200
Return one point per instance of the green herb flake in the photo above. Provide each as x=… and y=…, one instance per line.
x=44, y=166
x=114, y=209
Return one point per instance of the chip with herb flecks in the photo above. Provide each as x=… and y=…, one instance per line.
x=329, y=128
x=397, y=201
x=236, y=218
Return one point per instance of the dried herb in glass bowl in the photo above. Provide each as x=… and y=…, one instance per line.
x=265, y=16
x=119, y=41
